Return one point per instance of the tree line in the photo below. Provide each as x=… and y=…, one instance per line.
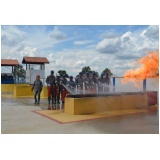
x=21, y=73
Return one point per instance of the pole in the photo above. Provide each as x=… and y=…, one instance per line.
x=114, y=82
x=144, y=85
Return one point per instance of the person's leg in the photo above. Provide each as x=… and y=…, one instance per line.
x=52, y=92
x=39, y=97
x=49, y=94
x=35, y=97
x=58, y=97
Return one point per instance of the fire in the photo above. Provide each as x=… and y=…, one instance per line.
x=149, y=67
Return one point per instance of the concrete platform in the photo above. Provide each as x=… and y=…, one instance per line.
x=17, y=118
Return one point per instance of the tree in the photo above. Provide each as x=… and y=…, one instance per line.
x=19, y=72
x=107, y=71
x=62, y=72
x=86, y=69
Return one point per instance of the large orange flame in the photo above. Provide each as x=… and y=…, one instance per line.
x=149, y=67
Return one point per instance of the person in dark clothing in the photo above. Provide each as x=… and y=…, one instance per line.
x=107, y=83
x=51, y=87
x=63, y=89
x=100, y=84
x=79, y=81
x=58, y=87
x=37, y=86
x=94, y=81
x=87, y=83
x=71, y=83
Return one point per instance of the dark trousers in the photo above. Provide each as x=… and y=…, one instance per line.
x=35, y=96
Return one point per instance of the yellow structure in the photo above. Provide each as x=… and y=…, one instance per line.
x=21, y=90
x=90, y=105
x=10, y=87
x=25, y=91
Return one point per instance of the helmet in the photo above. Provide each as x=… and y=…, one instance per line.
x=94, y=73
x=71, y=77
x=80, y=73
x=87, y=73
x=57, y=74
x=52, y=72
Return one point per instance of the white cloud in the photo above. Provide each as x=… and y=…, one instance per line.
x=57, y=34
x=79, y=63
x=82, y=42
x=110, y=45
x=30, y=52
x=151, y=32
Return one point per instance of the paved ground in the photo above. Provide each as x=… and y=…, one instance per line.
x=17, y=118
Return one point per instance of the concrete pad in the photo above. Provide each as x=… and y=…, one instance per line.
x=62, y=117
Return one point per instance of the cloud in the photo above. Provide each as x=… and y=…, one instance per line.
x=57, y=34
x=109, y=45
x=79, y=63
x=11, y=36
x=151, y=32
x=82, y=42
x=110, y=34
x=28, y=51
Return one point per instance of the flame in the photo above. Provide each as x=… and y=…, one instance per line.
x=149, y=67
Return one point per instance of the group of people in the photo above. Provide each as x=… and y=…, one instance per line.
x=92, y=82
x=58, y=87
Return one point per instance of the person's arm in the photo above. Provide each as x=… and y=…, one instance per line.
x=47, y=80
x=33, y=86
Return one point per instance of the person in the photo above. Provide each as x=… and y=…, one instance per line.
x=100, y=83
x=107, y=82
x=51, y=87
x=58, y=87
x=79, y=82
x=63, y=89
x=87, y=83
x=71, y=83
x=37, y=86
x=94, y=81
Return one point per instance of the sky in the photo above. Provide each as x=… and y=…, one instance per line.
x=72, y=47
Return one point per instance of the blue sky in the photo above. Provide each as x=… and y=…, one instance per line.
x=72, y=47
